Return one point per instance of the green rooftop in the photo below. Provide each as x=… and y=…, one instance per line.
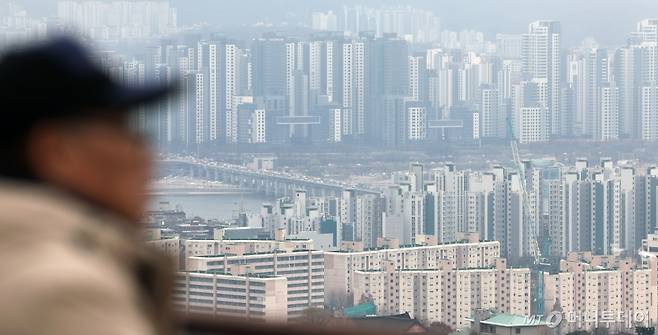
x=361, y=310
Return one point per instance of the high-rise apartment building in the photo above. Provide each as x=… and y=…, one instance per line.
x=609, y=113
x=527, y=86
x=341, y=266
x=592, y=292
x=492, y=118
x=646, y=32
x=649, y=113
x=445, y=294
x=116, y=20
x=541, y=58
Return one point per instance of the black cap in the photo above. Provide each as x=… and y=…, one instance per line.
x=58, y=79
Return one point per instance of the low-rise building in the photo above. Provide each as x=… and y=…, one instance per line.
x=257, y=297
x=230, y=246
x=510, y=324
x=303, y=269
x=649, y=249
x=169, y=247
x=388, y=324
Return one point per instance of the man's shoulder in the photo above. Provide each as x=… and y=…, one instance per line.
x=37, y=210
x=67, y=261
x=55, y=262
x=33, y=219
x=47, y=238
x=60, y=286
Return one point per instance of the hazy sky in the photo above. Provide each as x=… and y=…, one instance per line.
x=609, y=21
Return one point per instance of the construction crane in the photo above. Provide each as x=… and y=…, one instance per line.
x=535, y=251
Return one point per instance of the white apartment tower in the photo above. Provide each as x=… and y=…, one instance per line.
x=533, y=125
x=208, y=62
x=360, y=88
x=194, y=121
x=258, y=131
x=646, y=32
x=540, y=56
x=492, y=123
x=418, y=80
x=348, y=88
x=609, y=113
x=649, y=108
x=625, y=72
x=413, y=214
x=416, y=123
x=230, y=80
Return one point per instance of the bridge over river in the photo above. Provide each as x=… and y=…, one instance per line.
x=268, y=182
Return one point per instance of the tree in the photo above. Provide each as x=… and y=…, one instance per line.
x=365, y=299
x=439, y=328
x=316, y=316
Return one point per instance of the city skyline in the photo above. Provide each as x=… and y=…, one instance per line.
x=491, y=17
x=373, y=83
x=402, y=163
x=367, y=75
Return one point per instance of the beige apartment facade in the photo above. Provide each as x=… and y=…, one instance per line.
x=170, y=247
x=649, y=249
x=259, y=298
x=340, y=266
x=304, y=271
x=445, y=294
x=618, y=296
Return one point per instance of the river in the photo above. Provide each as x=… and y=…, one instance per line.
x=213, y=206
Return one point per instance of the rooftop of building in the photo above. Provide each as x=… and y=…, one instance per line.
x=604, y=269
x=253, y=240
x=165, y=239
x=277, y=252
x=466, y=269
x=511, y=320
x=412, y=246
x=389, y=324
x=225, y=273
x=360, y=310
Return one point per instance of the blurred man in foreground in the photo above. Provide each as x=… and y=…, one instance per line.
x=73, y=178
